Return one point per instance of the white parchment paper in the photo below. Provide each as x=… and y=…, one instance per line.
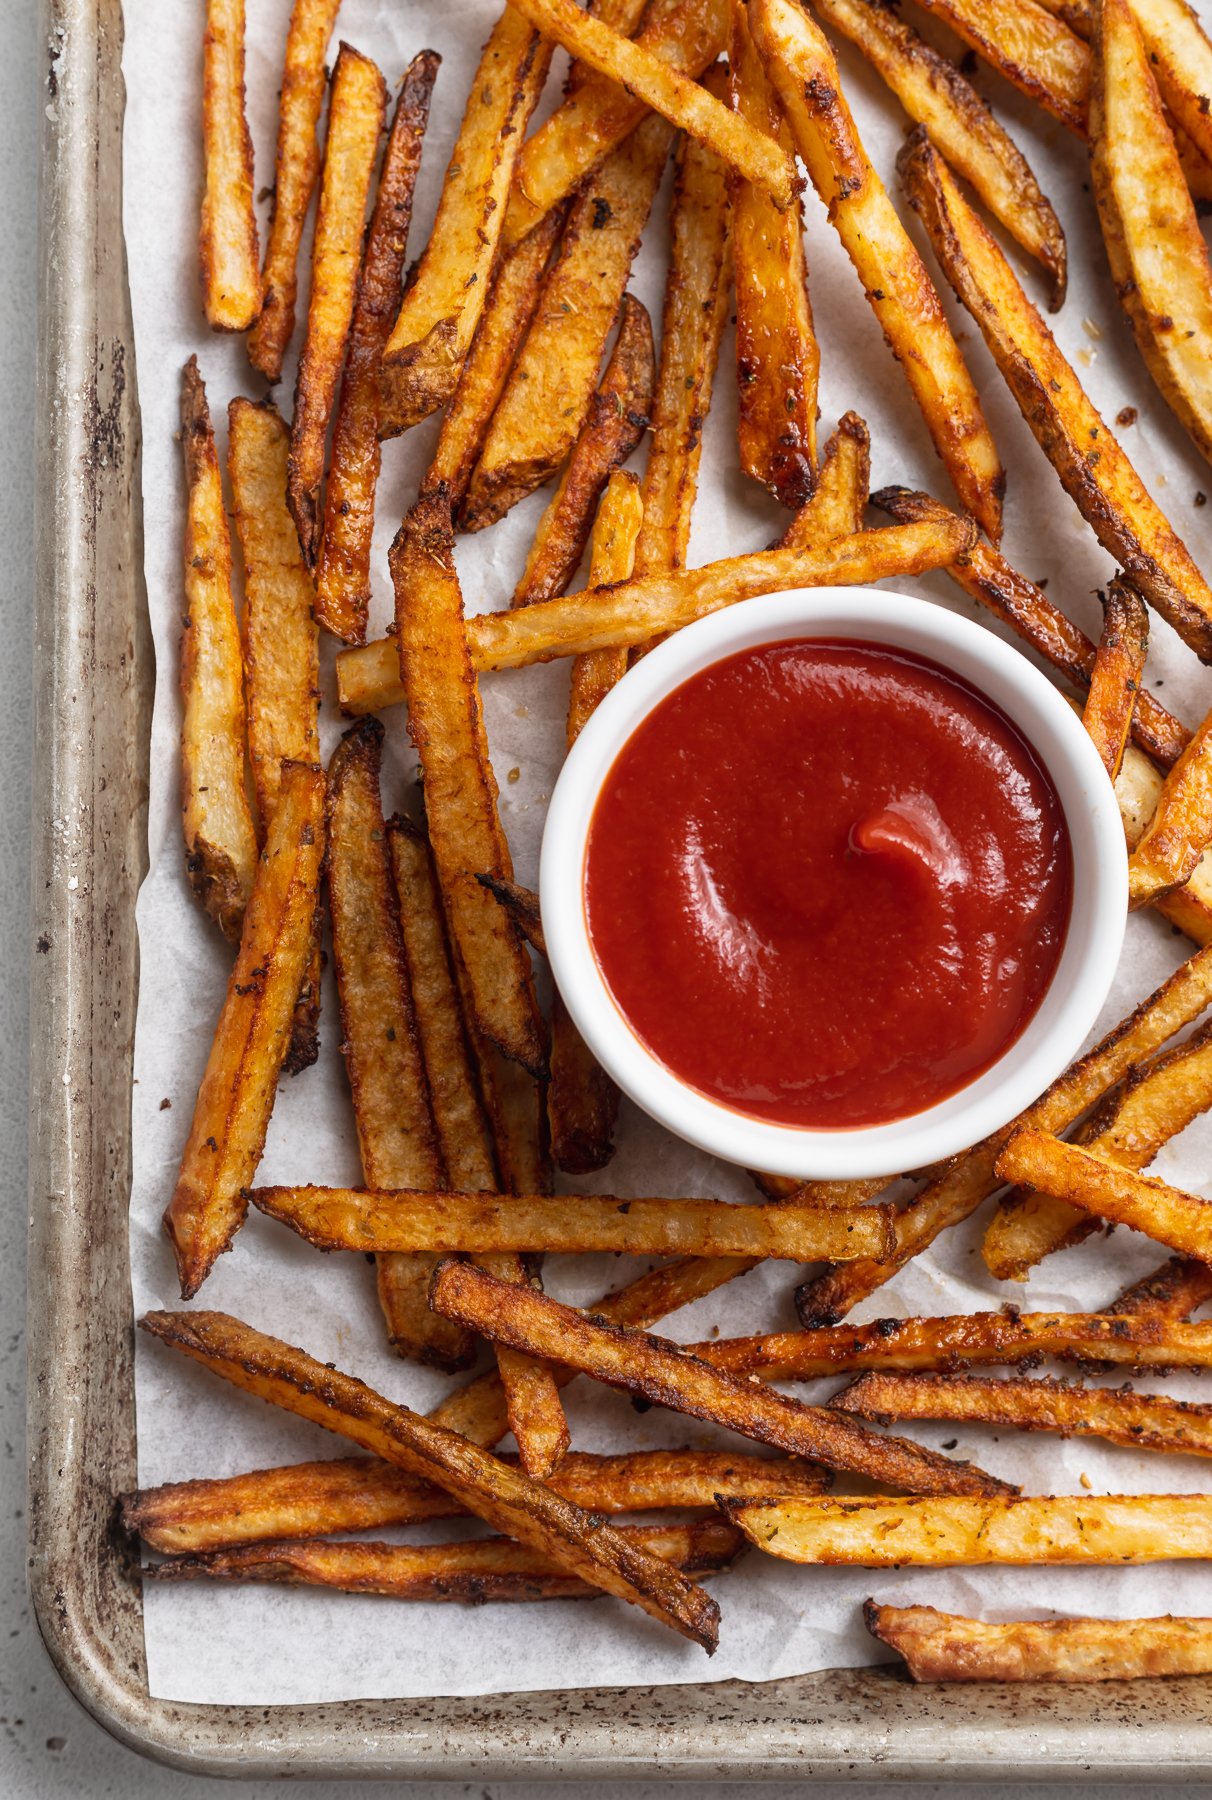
x=264, y=1645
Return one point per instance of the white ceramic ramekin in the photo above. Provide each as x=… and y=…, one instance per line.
x=1088, y=960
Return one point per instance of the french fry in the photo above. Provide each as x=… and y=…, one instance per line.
x=1159, y=1099
x=777, y=354
x=961, y=1187
x=901, y=293
x=227, y=241
x=941, y=1646
x=1037, y=54
x=362, y=1493
x=1180, y=56
x=446, y=725
x=1169, y=1294
x=1088, y=460
x=443, y=306
x=1175, y=838
x=343, y=563
x=356, y=110
x=941, y=1532
x=1135, y=1421
x=235, y=1099
x=1093, y=1182
x=839, y=505
x=1158, y=257
x=615, y=533
x=296, y=171
x=1138, y=791
x=549, y=394
x=220, y=839
x=522, y=905
x=598, y=114
x=935, y=94
x=503, y=1496
x=639, y=1364
x=1118, y=675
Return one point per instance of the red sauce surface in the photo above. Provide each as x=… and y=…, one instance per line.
x=828, y=883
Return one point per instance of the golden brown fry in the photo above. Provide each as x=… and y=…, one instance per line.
x=1180, y=56
x=1090, y=463
x=446, y=725
x=227, y=241
x=1158, y=257
x=549, y=394
x=599, y=114
x=935, y=94
x=360, y=1493
x=296, y=171
x=1119, y=668
x=900, y=292
x=668, y=1376
x=281, y=645
x=235, y=1099
x=1037, y=54
x=937, y=1532
x=503, y=1496
x=777, y=355
x=1174, y=840
x=443, y=306
x=343, y=567
x=839, y=505
x=1136, y=1421
x=957, y=1192
x=1098, y=1185
x=944, y=1647
x=615, y=533
x=356, y=109
x=220, y=840
x=1169, y=1294
x=522, y=905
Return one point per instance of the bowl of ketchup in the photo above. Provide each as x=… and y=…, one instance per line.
x=834, y=883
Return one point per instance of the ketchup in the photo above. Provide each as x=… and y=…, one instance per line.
x=827, y=883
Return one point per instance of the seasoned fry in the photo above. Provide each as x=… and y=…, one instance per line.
x=1180, y=56
x=231, y=1114
x=1180, y=829
x=442, y=308
x=1098, y=1185
x=957, y=1192
x=1138, y=790
x=1087, y=458
x=522, y=905
x=935, y=94
x=777, y=355
x=669, y=1377
x=1037, y=54
x=504, y=1497
x=220, y=840
x=1136, y=1421
x=446, y=726
x=550, y=390
x=1156, y=250
x=599, y=114
x=343, y=566
x=1119, y=668
x=360, y=1493
x=839, y=505
x=296, y=171
x=356, y=110
x=900, y=292
x=944, y=1647
x=1170, y=1294
x=227, y=241
x=615, y=533
x=936, y=1532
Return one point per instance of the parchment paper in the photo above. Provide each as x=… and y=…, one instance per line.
x=264, y=1645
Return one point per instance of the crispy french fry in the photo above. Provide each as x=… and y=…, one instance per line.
x=522, y=905
x=343, y=565
x=356, y=110
x=901, y=293
x=296, y=171
x=1093, y=1182
x=1175, y=838
x=445, y=722
x=1158, y=257
x=442, y=308
x=1170, y=1293
x=227, y=241
x=1118, y=673
x=1037, y=53
x=1180, y=56
x=957, y=1192
x=1135, y=1421
x=235, y=1099
x=935, y=94
x=839, y=505
x=1088, y=460
x=599, y=114
x=937, y=1532
x=220, y=839
x=1138, y=791
x=550, y=390
x=615, y=533
x=777, y=354
x=503, y=1496
x=668, y=1376
x=941, y=1646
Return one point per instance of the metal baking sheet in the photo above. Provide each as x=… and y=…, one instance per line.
x=93, y=673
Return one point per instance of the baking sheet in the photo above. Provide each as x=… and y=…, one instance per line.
x=264, y=1645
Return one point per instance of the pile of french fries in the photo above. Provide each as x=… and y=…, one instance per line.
x=515, y=323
